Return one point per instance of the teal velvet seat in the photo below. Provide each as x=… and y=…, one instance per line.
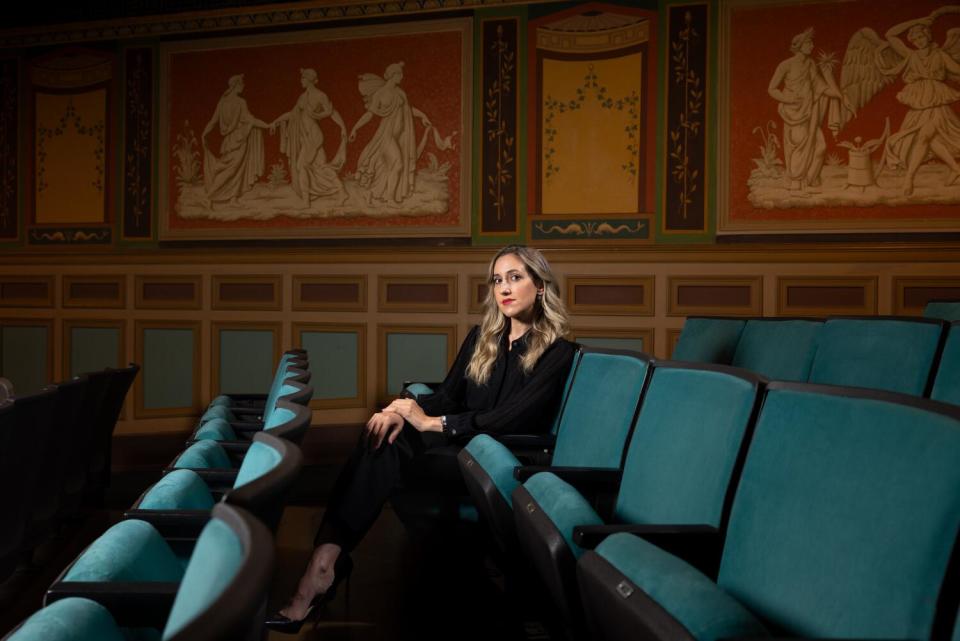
x=948, y=310
x=892, y=354
x=843, y=525
x=693, y=426
x=946, y=385
x=592, y=429
x=180, y=502
x=137, y=582
x=295, y=358
x=708, y=340
x=778, y=349
x=289, y=419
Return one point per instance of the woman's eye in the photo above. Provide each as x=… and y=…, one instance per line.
x=516, y=277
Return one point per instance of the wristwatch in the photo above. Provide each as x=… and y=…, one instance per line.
x=444, y=428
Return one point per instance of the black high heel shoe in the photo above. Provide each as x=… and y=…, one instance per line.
x=341, y=572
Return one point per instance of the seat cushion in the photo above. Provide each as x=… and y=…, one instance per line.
x=563, y=504
x=695, y=601
x=204, y=455
x=217, y=411
x=71, y=619
x=259, y=460
x=215, y=430
x=178, y=490
x=708, y=340
x=131, y=550
x=497, y=461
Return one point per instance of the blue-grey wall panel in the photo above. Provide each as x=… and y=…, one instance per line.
x=25, y=357
x=93, y=348
x=415, y=357
x=168, y=368
x=246, y=361
x=339, y=354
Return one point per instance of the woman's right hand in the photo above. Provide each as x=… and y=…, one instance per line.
x=383, y=425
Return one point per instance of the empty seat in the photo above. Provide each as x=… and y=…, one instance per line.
x=948, y=310
x=779, y=349
x=681, y=464
x=130, y=577
x=593, y=428
x=98, y=471
x=885, y=353
x=946, y=385
x=843, y=525
x=251, y=403
x=289, y=420
x=708, y=340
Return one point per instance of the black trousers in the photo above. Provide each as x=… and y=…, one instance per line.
x=414, y=462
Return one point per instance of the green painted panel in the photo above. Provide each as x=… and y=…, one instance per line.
x=415, y=357
x=24, y=358
x=93, y=348
x=168, y=368
x=338, y=376
x=635, y=344
x=246, y=361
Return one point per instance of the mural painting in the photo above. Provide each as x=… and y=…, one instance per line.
x=289, y=145
x=846, y=117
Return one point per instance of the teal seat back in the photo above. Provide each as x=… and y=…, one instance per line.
x=599, y=409
x=178, y=490
x=216, y=559
x=131, y=551
x=566, y=390
x=259, y=459
x=270, y=408
x=892, y=354
x=276, y=390
x=204, y=455
x=708, y=340
x=780, y=350
x=684, y=449
x=278, y=416
x=70, y=619
x=846, y=513
x=948, y=310
x=946, y=385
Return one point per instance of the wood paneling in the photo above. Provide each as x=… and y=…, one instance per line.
x=826, y=296
x=216, y=328
x=330, y=293
x=715, y=295
x=168, y=292
x=26, y=291
x=101, y=292
x=478, y=294
x=360, y=329
x=247, y=293
x=911, y=293
x=417, y=294
x=610, y=295
x=644, y=334
x=193, y=408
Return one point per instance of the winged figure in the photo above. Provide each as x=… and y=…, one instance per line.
x=931, y=126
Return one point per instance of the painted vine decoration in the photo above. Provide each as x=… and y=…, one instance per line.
x=690, y=123
x=138, y=153
x=500, y=88
x=70, y=116
x=591, y=84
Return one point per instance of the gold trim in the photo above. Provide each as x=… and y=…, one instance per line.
x=27, y=302
x=99, y=303
x=275, y=304
x=140, y=326
x=902, y=283
x=754, y=308
x=360, y=329
x=569, y=41
x=447, y=307
x=69, y=324
x=645, y=334
x=868, y=284
x=384, y=330
x=644, y=309
x=673, y=335
x=219, y=326
x=141, y=281
x=360, y=305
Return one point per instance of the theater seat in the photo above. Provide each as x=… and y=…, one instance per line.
x=844, y=525
x=135, y=582
x=708, y=340
x=946, y=385
x=779, y=349
x=296, y=358
x=948, y=310
x=289, y=421
x=682, y=461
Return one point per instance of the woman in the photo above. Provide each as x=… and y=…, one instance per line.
x=508, y=377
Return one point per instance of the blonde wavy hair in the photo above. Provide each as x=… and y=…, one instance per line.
x=550, y=320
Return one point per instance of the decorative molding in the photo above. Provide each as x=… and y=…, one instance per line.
x=360, y=329
x=262, y=293
x=673, y=335
x=544, y=229
x=610, y=295
x=168, y=292
x=141, y=326
x=216, y=327
x=383, y=331
x=138, y=144
x=912, y=293
x=9, y=144
x=26, y=291
x=69, y=324
x=417, y=294
x=477, y=288
x=826, y=296
x=645, y=334
x=107, y=291
x=715, y=295
x=595, y=33
x=330, y=293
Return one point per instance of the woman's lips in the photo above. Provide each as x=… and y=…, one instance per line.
x=506, y=301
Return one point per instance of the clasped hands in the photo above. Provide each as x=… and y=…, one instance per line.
x=387, y=423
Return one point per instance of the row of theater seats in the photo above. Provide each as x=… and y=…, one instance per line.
x=688, y=500
x=55, y=448
x=917, y=356
x=193, y=556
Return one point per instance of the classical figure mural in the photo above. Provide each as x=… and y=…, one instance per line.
x=860, y=128
x=370, y=146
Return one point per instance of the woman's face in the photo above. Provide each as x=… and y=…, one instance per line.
x=918, y=38
x=514, y=288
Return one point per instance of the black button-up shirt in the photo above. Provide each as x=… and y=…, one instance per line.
x=511, y=402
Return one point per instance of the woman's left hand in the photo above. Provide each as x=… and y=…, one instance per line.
x=413, y=413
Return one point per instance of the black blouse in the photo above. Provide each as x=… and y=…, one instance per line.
x=511, y=402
